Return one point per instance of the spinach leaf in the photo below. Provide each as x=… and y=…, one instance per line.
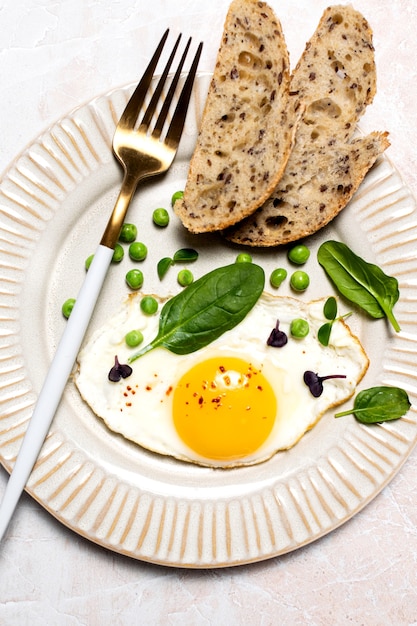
x=361, y=282
x=379, y=404
x=207, y=308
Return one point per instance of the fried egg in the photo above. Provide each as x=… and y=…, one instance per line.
x=236, y=402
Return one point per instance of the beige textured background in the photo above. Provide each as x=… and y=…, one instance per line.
x=55, y=55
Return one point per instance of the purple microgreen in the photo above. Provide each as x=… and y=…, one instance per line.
x=119, y=371
x=277, y=338
x=315, y=382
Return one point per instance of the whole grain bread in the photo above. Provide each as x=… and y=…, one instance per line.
x=335, y=79
x=248, y=123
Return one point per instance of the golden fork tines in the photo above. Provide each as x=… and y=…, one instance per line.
x=139, y=144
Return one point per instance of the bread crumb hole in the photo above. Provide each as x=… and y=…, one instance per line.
x=367, y=68
x=277, y=221
x=227, y=117
x=337, y=18
x=339, y=69
x=253, y=39
x=248, y=59
x=326, y=106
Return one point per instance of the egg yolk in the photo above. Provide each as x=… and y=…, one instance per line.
x=224, y=408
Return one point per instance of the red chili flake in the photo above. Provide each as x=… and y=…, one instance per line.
x=200, y=400
x=222, y=369
x=169, y=390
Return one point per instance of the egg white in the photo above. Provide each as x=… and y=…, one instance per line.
x=140, y=406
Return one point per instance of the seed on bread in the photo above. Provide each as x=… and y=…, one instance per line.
x=248, y=123
x=335, y=79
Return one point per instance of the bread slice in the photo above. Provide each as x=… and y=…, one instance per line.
x=335, y=79
x=247, y=128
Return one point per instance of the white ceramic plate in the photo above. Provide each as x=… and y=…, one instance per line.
x=54, y=202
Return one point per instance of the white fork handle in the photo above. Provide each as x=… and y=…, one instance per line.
x=55, y=381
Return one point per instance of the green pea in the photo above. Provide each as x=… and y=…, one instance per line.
x=243, y=257
x=128, y=233
x=299, y=254
x=299, y=281
x=148, y=305
x=67, y=307
x=118, y=253
x=160, y=217
x=88, y=261
x=134, y=279
x=185, y=277
x=138, y=251
x=176, y=196
x=133, y=338
x=277, y=277
x=299, y=328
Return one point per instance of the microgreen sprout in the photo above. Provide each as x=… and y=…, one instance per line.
x=330, y=313
x=277, y=338
x=183, y=255
x=119, y=371
x=315, y=382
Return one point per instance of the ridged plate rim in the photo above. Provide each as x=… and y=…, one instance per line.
x=217, y=524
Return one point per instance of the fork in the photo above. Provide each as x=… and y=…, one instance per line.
x=145, y=147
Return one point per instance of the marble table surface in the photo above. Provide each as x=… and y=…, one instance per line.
x=55, y=55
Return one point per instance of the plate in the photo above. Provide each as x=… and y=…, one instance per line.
x=54, y=203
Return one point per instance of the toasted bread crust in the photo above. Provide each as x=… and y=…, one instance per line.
x=248, y=123
x=335, y=79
